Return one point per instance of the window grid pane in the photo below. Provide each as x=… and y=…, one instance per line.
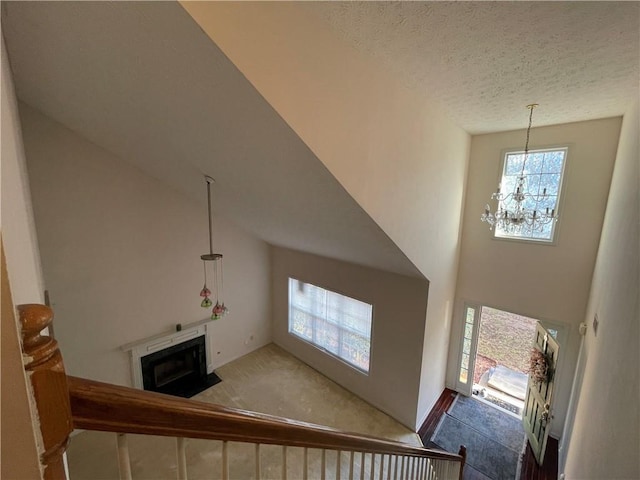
x=337, y=324
x=542, y=174
x=469, y=320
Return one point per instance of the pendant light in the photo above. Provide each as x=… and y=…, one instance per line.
x=213, y=262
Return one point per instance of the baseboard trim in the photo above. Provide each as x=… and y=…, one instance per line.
x=443, y=403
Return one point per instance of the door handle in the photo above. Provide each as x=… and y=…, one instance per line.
x=545, y=416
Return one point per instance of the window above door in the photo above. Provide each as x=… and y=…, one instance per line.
x=543, y=176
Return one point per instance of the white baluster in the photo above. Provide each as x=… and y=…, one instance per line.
x=372, y=471
x=439, y=470
x=456, y=469
x=395, y=467
x=284, y=462
x=323, y=471
x=351, y=456
x=225, y=460
x=181, y=457
x=305, y=464
x=390, y=466
x=124, y=462
x=258, y=464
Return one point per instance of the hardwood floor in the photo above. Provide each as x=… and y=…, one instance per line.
x=549, y=468
x=530, y=470
x=428, y=428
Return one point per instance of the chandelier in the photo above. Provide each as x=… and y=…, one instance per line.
x=213, y=260
x=517, y=212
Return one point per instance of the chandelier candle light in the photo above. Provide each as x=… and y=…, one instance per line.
x=214, y=259
x=517, y=212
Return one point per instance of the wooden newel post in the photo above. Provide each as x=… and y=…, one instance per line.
x=43, y=363
x=463, y=453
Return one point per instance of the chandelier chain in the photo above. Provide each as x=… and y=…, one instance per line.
x=526, y=144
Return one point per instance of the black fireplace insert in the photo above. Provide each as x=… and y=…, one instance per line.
x=180, y=370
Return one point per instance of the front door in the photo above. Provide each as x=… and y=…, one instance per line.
x=537, y=405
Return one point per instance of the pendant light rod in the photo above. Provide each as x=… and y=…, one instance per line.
x=210, y=255
x=209, y=182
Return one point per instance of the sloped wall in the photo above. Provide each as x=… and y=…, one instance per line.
x=399, y=157
x=605, y=438
x=121, y=256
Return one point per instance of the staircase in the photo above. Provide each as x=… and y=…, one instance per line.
x=247, y=444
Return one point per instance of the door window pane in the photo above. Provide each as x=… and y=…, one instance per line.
x=469, y=320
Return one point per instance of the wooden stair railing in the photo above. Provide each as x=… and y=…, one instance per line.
x=43, y=363
x=64, y=403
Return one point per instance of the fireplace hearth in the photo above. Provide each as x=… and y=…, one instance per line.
x=179, y=370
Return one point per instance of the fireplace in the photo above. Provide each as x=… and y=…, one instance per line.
x=179, y=370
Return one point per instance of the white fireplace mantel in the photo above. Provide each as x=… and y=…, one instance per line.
x=145, y=346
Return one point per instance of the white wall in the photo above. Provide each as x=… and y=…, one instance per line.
x=121, y=256
x=19, y=449
x=399, y=309
x=398, y=155
x=547, y=282
x=18, y=227
x=605, y=439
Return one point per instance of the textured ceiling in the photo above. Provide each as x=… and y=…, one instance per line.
x=485, y=61
x=143, y=81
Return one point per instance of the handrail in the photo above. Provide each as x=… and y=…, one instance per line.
x=106, y=407
x=64, y=402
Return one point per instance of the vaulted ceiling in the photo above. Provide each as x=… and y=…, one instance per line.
x=143, y=81
x=485, y=61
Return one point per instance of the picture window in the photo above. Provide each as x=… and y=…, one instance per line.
x=336, y=324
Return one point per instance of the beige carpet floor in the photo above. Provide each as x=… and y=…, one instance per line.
x=268, y=380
